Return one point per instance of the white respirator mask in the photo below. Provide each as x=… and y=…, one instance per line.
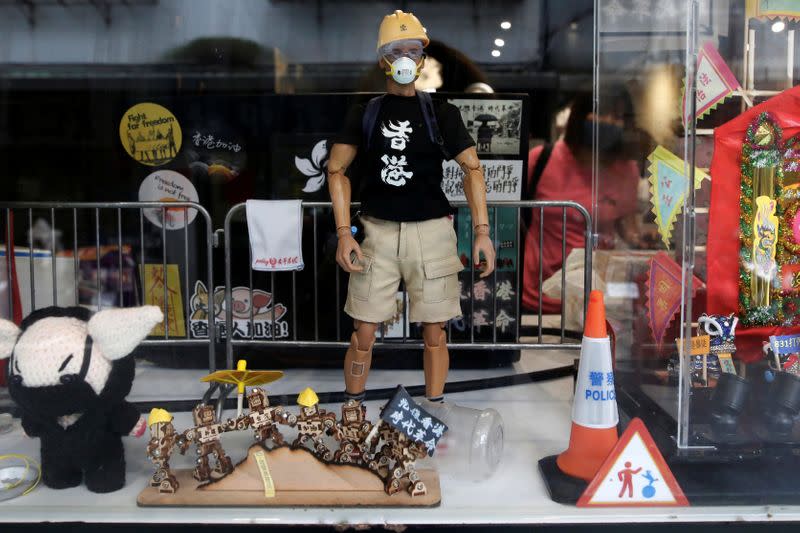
x=404, y=71
x=402, y=57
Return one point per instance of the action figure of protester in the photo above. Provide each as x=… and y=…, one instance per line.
x=404, y=137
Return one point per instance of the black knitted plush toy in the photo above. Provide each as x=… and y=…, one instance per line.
x=69, y=373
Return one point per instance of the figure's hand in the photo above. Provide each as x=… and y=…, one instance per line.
x=139, y=428
x=346, y=247
x=483, y=245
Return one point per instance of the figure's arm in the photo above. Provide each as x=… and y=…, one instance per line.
x=475, y=190
x=339, y=187
x=123, y=418
x=31, y=427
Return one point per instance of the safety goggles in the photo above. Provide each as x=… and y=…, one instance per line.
x=411, y=48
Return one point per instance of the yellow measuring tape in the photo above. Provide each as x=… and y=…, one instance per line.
x=30, y=463
x=266, y=477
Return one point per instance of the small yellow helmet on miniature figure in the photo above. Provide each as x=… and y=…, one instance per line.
x=308, y=398
x=157, y=416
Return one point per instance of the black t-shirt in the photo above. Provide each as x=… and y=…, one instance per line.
x=402, y=171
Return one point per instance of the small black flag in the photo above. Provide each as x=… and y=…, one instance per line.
x=406, y=416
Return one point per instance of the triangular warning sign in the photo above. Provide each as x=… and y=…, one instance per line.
x=634, y=475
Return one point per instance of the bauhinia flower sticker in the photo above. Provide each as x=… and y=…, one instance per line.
x=315, y=168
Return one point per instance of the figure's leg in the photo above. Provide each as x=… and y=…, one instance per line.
x=371, y=298
x=358, y=359
x=58, y=470
x=224, y=463
x=436, y=360
x=108, y=473
x=202, y=472
x=261, y=435
x=277, y=436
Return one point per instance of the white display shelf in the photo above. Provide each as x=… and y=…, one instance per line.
x=537, y=422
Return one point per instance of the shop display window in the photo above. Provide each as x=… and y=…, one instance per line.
x=429, y=263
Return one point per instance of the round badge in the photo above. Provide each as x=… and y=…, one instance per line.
x=150, y=134
x=168, y=186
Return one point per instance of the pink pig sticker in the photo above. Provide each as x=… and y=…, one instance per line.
x=796, y=227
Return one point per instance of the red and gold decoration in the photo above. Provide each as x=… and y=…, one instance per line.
x=755, y=217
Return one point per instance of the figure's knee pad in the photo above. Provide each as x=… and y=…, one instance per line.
x=364, y=334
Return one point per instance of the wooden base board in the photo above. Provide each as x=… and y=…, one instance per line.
x=299, y=478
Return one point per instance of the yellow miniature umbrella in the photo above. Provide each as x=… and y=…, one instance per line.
x=241, y=377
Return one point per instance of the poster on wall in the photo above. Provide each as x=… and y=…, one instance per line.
x=168, y=186
x=268, y=317
x=494, y=125
x=481, y=315
x=303, y=160
x=215, y=154
x=503, y=180
x=150, y=134
x=494, y=293
x=154, y=281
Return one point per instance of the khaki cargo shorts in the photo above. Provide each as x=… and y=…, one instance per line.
x=423, y=254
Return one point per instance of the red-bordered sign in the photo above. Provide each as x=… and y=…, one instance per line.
x=634, y=475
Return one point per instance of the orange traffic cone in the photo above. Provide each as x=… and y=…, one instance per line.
x=594, y=410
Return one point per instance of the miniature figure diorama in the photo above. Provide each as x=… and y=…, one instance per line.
x=404, y=136
x=330, y=461
x=69, y=373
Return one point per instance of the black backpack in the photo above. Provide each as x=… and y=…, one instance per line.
x=426, y=104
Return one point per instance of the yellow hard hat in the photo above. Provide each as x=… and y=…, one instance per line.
x=158, y=415
x=400, y=25
x=308, y=398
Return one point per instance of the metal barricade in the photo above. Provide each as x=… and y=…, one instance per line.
x=249, y=338
x=80, y=214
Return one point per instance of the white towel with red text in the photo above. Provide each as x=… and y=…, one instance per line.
x=276, y=234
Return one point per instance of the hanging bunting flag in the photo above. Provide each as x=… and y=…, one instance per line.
x=664, y=293
x=668, y=185
x=715, y=83
x=788, y=9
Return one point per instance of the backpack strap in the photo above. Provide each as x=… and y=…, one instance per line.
x=428, y=113
x=538, y=170
x=370, y=118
